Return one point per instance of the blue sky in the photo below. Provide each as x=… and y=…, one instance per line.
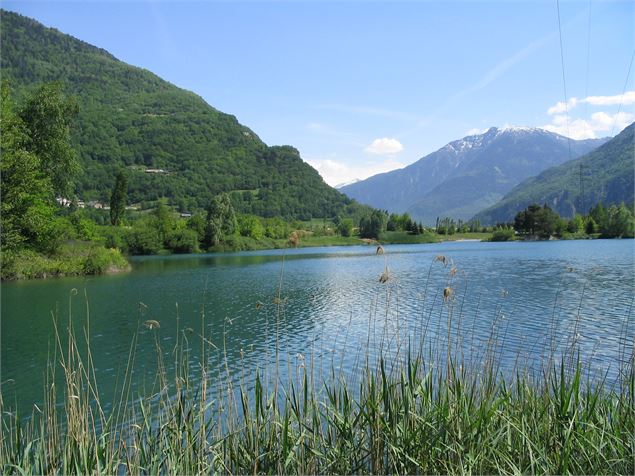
x=365, y=87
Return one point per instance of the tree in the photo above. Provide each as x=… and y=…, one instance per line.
x=118, y=199
x=371, y=226
x=27, y=206
x=591, y=226
x=164, y=222
x=221, y=219
x=345, y=228
x=537, y=220
x=600, y=217
x=47, y=116
x=620, y=222
x=250, y=225
x=576, y=224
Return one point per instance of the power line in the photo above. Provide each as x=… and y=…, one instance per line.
x=623, y=92
x=588, y=61
x=564, y=81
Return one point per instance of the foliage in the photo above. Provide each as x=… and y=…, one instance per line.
x=27, y=192
x=182, y=240
x=130, y=118
x=397, y=222
x=221, y=220
x=614, y=222
x=142, y=240
x=619, y=223
x=47, y=115
x=407, y=238
x=72, y=259
x=118, y=199
x=537, y=221
x=503, y=234
x=345, y=227
x=250, y=225
x=372, y=225
x=576, y=224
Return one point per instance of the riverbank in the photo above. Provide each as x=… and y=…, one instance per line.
x=72, y=259
x=308, y=240
x=91, y=258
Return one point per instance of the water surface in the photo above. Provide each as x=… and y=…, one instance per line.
x=327, y=306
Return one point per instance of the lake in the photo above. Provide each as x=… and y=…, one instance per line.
x=519, y=301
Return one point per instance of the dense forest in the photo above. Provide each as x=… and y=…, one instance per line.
x=172, y=144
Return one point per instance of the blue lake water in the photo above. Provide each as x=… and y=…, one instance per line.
x=517, y=301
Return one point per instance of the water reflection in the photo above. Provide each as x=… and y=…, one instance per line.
x=326, y=308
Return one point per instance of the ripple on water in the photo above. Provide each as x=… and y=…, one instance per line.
x=518, y=299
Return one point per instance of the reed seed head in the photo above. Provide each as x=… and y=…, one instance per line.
x=385, y=276
x=152, y=324
x=448, y=293
x=441, y=259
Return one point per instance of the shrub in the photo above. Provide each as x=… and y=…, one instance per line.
x=182, y=241
x=345, y=228
x=101, y=260
x=503, y=234
x=142, y=240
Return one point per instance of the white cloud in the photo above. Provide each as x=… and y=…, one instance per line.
x=384, y=146
x=600, y=124
x=335, y=172
x=625, y=99
x=560, y=106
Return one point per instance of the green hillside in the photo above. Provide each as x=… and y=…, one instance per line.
x=131, y=118
x=607, y=177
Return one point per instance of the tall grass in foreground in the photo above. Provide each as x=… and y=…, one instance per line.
x=420, y=412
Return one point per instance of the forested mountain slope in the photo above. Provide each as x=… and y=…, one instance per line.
x=131, y=118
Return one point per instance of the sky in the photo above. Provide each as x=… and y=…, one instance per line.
x=360, y=88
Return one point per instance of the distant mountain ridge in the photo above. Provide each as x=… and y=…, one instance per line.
x=130, y=118
x=469, y=174
x=602, y=175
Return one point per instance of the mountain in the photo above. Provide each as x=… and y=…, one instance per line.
x=344, y=184
x=172, y=143
x=469, y=174
x=607, y=177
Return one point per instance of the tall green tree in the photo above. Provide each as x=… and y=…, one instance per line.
x=47, y=116
x=163, y=220
x=221, y=219
x=29, y=170
x=371, y=226
x=620, y=222
x=118, y=199
x=537, y=220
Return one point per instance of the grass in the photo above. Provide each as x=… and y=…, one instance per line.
x=72, y=259
x=428, y=410
x=332, y=240
x=466, y=236
x=405, y=238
